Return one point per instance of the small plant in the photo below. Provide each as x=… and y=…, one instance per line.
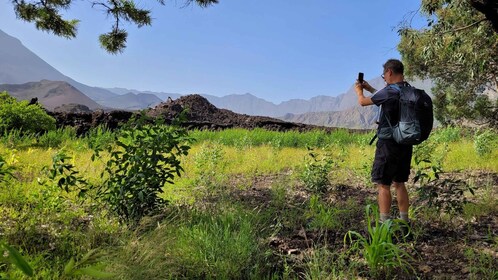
x=87, y=265
x=5, y=170
x=445, y=194
x=99, y=137
x=316, y=171
x=323, y=216
x=485, y=142
x=55, y=138
x=366, y=165
x=10, y=256
x=482, y=265
x=447, y=134
x=209, y=165
x=378, y=250
x=66, y=176
x=320, y=263
x=147, y=157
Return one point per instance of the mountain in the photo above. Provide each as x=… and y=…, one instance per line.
x=347, y=112
x=132, y=101
x=19, y=65
x=162, y=95
x=356, y=117
x=50, y=94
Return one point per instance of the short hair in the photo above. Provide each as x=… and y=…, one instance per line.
x=395, y=65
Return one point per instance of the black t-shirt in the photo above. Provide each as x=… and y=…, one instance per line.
x=388, y=98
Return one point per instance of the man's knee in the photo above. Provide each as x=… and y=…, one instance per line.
x=398, y=184
x=383, y=187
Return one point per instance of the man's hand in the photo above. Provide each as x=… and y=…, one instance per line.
x=362, y=100
x=358, y=88
x=367, y=86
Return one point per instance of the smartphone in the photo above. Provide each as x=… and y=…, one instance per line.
x=360, y=77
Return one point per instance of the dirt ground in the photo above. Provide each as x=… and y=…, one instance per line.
x=438, y=249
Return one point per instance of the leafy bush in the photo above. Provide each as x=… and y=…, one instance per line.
x=20, y=115
x=66, y=176
x=485, y=142
x=55, y=138
x=445, y=194
x=316, y=171
x=147, y=157
x=447, y=134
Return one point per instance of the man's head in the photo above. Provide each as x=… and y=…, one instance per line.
x=393, y=71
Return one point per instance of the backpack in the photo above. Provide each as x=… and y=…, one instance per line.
x=416, y=116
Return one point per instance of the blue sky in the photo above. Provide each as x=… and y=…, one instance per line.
x=274, y=49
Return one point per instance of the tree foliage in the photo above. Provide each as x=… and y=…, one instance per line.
x=458, y=50
x=47, y=16
x=20, y=115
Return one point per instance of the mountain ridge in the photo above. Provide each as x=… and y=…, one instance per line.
x=19, y=65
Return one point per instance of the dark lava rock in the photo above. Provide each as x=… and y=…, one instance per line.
x=72, y=108
x=201, y=114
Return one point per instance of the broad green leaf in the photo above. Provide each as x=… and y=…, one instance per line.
x=16, y=258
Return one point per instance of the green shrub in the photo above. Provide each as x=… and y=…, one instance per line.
x=485, y=142
x=19, y=115
x=447, y=134
x=147, y=157
x=316, y=171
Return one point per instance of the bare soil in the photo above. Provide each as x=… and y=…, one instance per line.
x=438, y=248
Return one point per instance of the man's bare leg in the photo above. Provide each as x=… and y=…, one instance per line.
x=403, y=201
x=384, y=200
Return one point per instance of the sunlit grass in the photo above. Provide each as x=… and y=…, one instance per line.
x=462, y=156
x=51, y=226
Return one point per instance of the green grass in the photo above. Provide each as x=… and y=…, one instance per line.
x=217, y=243
x=241, y=138
x=210, y=231
x=378, y=250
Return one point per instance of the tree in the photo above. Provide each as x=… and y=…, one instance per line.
x=490, y=10
x=22, y=116
x=458, y=50
x=46, y=14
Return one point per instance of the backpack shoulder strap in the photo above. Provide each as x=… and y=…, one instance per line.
x=395, y=86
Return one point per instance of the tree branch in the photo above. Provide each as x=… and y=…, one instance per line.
x=464, y=27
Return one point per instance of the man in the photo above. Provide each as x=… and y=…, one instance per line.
x=392, y=161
